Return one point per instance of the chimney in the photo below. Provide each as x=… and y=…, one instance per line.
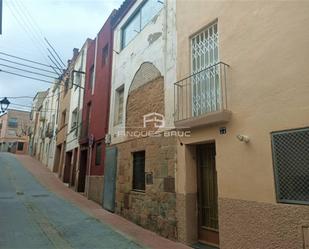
x=75, y=52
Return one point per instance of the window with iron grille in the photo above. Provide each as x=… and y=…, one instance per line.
x=204, y=60
x=139, y=171
x=291, y=165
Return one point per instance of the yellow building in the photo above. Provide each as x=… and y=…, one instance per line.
x=242, y=177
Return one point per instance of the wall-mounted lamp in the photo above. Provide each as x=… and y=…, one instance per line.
x=4, y=104
x=243, y=138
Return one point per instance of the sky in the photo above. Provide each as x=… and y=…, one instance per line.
x=65, y=23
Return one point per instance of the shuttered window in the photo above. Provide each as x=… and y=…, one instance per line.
x=139, y=171
x=291, y=165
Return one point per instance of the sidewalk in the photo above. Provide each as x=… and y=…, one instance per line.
x=121, y=225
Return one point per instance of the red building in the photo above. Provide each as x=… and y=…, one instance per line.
x=96, y=107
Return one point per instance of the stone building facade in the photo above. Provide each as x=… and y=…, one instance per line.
x=140, y=114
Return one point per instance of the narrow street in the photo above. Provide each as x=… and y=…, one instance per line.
x=35, y=216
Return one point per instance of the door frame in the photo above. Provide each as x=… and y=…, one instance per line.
x=207, y=235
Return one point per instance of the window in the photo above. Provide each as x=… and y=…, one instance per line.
x=12, y=122
x=206, y=93
x=98, y=154
x=63, y=117
x=20, y=146
x=11, y=132
x=66, y=86
x=105, y=55
x=78, y=78
x=119, y=105
x=139, y=20
x=91, y=79
x=291, y=165
x=74, y=119
x=139, y=170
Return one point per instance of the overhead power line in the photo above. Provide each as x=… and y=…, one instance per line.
x=24, y=65
x=18, y=97
x=27, y=71
x=31, y=25
x=54, y=50
x=28, y=77
x=56, y=66
x=19, y=18
x=24, y=59
x=28, y=106
x=32, y=97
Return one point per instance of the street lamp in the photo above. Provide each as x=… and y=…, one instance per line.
x=4, y=104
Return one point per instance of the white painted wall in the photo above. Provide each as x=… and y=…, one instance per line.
x=49, y=109
x=161, y=53
x=77, y=94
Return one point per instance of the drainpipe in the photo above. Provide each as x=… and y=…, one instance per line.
x=91, y=136
x=89, y=166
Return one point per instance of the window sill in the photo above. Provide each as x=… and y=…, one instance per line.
x=136, y=191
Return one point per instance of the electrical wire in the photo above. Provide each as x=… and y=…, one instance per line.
x=27, y=71
x=18, y=17
x=24, y=65
x=24, y=59
x=36, y=28
x=40, y=37
x=29, y=77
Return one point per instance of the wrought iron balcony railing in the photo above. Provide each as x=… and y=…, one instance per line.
x=201, y=93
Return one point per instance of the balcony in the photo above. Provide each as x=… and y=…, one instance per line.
x=49, y=130
x=201, y=98
x=84, y=132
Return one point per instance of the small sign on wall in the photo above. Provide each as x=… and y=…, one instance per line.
x=149, y=178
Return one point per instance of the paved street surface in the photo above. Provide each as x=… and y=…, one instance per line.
x=53, y=216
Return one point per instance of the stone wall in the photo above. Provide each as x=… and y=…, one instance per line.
x=147, y=98
x=154, y=209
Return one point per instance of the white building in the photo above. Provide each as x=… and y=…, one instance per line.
x=144, y=39
x=142, y=97
x=49, y=114
x=78, y=78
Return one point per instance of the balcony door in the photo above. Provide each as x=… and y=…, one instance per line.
x=208, y=226
x=206, y=81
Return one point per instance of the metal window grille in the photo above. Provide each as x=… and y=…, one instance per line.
x=291, y=165
x=206, y=86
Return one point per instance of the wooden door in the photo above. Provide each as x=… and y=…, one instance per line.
x=207, y=194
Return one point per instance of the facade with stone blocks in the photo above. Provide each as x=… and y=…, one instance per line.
x=141, y=111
